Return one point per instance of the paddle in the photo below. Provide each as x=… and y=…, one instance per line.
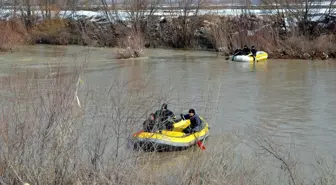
x=199, y=142
x=200, y=145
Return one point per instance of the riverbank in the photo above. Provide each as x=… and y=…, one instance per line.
x=312, y=40
x=176, y=7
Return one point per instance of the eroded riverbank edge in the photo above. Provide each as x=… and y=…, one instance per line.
x=222, y=34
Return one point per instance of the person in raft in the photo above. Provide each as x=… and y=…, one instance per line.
x=149, y=124
x=246, y=50
x=254, y=53
x=195, y=122
x=162, y=117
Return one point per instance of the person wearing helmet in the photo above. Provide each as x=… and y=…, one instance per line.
x=246, y=50
x=238, y=51
x=163, y=115
x=195, y=122
x=149, y=124
x=254, y=53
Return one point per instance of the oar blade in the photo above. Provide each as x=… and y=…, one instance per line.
x=200, y=144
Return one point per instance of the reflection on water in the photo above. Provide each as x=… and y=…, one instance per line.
x=250, y=66
x=291, y=99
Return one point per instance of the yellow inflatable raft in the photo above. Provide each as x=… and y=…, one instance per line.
x=170, y=140
x=260, y=56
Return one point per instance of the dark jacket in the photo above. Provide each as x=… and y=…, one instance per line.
x=246, y=50
x=162, y=116
x=238, y=52
x=254, y=51
x=195, y=122
x=148, y=125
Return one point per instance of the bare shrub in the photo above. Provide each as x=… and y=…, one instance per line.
x=302, y=47
x=287, y=161
x=229, y=33
x=266, y=39
x=218, y=33
x=185, y=23
x=325, y=170
x=40, y=120
x=13, y=33
x=266, y=33
x=325, y=43
x=48, y=136
x=218, y=164
x=285, y=158
x=132, y=44
x=51, y=31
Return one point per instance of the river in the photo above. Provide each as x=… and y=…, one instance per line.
x=293, y=100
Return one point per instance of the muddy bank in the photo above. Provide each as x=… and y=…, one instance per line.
x=312, y=40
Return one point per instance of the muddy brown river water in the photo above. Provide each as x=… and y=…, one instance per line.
x=294, y=100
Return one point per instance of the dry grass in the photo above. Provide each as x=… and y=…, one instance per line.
x=13, y=33
x=50, y=26
x=218, y=34
x=40, y=127
x=131, y=44
x=301, y=47
x=230, y=33
x=48, y=137
x=221, y=33
x=51, y=31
